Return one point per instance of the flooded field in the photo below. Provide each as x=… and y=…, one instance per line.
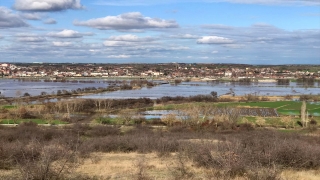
x=195, y=88
x=11, y=88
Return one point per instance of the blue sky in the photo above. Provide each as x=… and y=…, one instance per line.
x=141, y=31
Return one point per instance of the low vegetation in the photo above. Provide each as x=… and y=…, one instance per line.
x=29, y=151
x=209, y=140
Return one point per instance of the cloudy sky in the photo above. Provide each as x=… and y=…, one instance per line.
x=156, y=31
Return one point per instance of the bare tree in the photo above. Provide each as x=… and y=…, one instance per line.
x=55, y=161
x=169, y=119
x=127, y=115
x=287, y=120
x=303, y=114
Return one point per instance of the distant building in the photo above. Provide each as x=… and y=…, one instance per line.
x=228, y=73
x=5, y=65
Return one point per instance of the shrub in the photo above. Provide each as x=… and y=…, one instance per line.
x=313, y=125
x=263, y=149
x=80, y=129
x=101, y=130
x=246, y=127
x=264, y=98
x=288, y=97
x=313, y=122
x=104, y=120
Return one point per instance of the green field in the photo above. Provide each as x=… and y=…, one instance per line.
x=276, y=121
x=38, y=121
x=283, y=107
x=7, y=107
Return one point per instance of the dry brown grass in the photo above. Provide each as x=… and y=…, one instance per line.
x=116, y=165
x=111, y=166
x=127, y=166
x=300, y=175
x=124, y=166
x=141, y=152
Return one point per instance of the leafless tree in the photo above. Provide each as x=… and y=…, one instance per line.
x=303, y=114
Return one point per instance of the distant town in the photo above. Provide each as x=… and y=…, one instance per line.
x=187, y=71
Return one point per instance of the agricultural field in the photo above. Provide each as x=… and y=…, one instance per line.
x=288, y=111
x=283, y=107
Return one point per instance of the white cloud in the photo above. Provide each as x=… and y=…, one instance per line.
x=127, y=40
x=214, y=40
x=50, y=21
x=94, y=50
x=66, y=33
x=264, y=39
x=185, y=36
x=130, y=38
x=31, y=39
x=215, y=52
x=117, y=43
x=26, y=37
x=179, y=48
x=61, y=44
x=31, y=16
x=47, y=5
x=127, y=21
x=10, y=20
x=235, y=46
x=122, y=56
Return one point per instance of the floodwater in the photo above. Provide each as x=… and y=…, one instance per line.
x=196, y=88
x=12, y=88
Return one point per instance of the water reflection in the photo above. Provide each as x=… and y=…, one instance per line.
x=9, y=87
x=195, y=88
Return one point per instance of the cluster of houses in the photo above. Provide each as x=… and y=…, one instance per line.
x=168, y=70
